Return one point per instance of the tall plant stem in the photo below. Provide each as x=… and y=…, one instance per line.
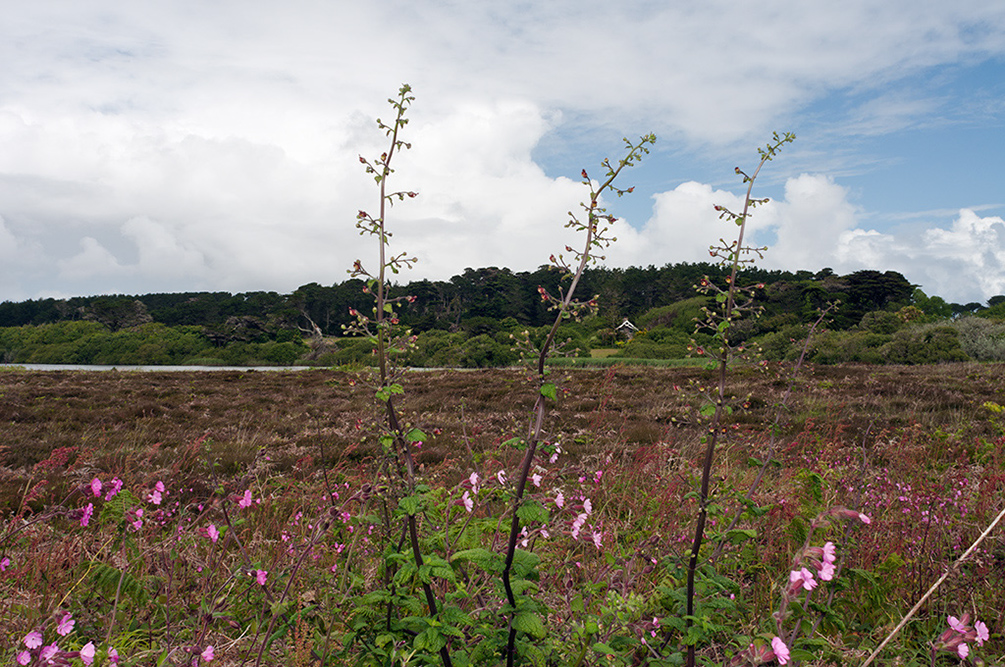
x=535, y=428
x=712, y=437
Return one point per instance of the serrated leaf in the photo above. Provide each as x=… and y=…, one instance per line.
x=529, y=623
x=532, y=511
x=525, y=564
x=411, y=504
x=549, y=390
x=487, y=560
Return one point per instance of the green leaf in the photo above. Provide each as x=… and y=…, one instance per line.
x=529, y=623
x=603, y=649
x=516, y=443
x=525, y=564
x=708, y=410
x=740, y=535
x=548, y=390
x=412, y=504
x=487, y=560
x=532, y=511
x=415, y=435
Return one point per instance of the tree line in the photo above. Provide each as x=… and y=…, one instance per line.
x=490, y=302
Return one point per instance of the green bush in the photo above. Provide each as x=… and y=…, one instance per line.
x=680, y=316
x=881, y=322
x=785, y=343
x=924, y=344
x=436, y=348
x=835, y=347
x=93, y=343
x=982, y=339
x=484, y=352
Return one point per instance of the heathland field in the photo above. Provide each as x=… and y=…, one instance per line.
x=250, y=517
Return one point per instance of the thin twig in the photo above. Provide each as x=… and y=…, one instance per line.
x=934, y=587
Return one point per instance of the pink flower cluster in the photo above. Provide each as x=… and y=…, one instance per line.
x=822, y=560
x=956, y=638
x=36, y=651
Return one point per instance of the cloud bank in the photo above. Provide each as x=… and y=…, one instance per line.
x=193, y=146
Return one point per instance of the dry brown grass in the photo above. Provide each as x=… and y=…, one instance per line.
x=137, y=423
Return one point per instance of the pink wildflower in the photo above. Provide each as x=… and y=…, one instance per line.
x=982, y=633
x=245, y=501
x=474, y=480
x=535, y=479
x=23, y=658
x=96, y=487
x=957, y=624
x=48, y=652
x=113, y=656
x=468, y=503
x=801, y=578
x=208, y=654
x=577, y=525
x=260, y=576
x=85, y=518
x=33, y=639
x=213, y=533
x=826, y=571
x=87, y=653
x=113, y=488
x=137, y=518
x=588, y=506
x=501, y=476
x=598, y=536
x=780, y=649
x=560, y=500
x=65, y=625
x=864, y=519
x=963, y=650
x=155, y=496
x=830, y=552
x=4, y=563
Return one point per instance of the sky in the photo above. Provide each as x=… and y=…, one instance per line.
x=198, y=145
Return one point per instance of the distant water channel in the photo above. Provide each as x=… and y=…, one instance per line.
x=96, y=367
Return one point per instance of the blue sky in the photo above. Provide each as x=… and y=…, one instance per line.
x=185, y=145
